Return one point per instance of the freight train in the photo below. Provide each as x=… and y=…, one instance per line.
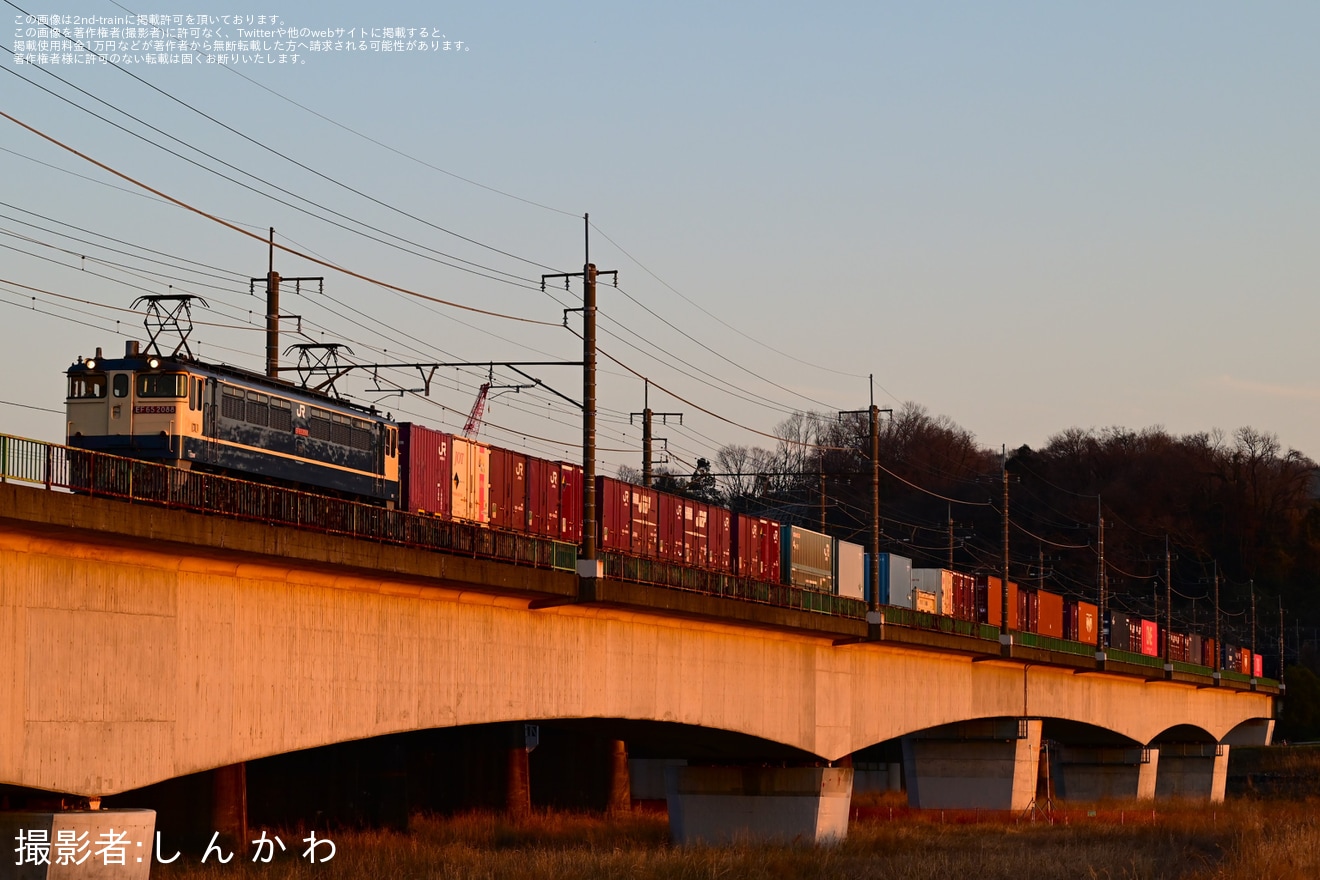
x=221, y=419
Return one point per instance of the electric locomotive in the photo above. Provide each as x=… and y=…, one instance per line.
x=176, y=410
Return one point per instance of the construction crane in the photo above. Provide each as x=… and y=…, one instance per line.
x=478, y=407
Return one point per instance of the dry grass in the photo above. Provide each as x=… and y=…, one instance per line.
x=1243, y=840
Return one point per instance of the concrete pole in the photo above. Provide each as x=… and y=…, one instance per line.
x=272, y=314
x=1168, y=602
x=1003, y=598
x=589, y=414
x=875, y=511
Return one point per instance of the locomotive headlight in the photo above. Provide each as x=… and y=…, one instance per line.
x=153, y=363
x=90, y=363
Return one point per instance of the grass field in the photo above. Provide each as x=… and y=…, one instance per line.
x=1245, y=839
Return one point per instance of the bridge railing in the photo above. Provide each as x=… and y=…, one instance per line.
x=658, y=572
x=112, y=476
x=1052, y=643
x=1135, y=659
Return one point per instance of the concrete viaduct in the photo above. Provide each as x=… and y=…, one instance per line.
x=139, y=644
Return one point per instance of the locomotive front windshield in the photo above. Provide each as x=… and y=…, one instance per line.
x=162, y=385
x=86, y=387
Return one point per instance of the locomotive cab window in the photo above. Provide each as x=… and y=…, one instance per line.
x=86, y=387
x=120, y=386
x=162, y=385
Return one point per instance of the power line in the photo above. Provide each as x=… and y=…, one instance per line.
x=291, y=251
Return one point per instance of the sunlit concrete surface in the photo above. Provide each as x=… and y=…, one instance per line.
x=196, y=642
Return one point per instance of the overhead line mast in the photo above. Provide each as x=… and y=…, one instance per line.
x=588, y=565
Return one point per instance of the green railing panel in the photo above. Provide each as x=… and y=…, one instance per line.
x=1135, y=659
x=1052, y=643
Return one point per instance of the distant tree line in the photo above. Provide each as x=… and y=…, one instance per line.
x=1239, y=503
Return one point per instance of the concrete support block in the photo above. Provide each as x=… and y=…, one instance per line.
x=229, y=808
x=127, y=858
x=982, y=765
x=620, y=793
x=722, y=804
x=1192, y=770
x=1095, y=774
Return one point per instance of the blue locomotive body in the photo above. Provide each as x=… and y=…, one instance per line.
x=229, y=420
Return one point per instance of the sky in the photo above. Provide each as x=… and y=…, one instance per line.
x=1024, y=216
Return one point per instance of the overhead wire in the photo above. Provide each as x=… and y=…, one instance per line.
x=327, y=178
x=470, y=267
x=277, y=245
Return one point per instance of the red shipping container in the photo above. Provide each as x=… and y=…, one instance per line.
x=720, y=535
x=1257, y=666
x=961, y=599
x=1028, y=616
x=1050, y=621
x=989, y=592
x=1134, y=634
x=614, y=510
x=1178, y=647
x=1150, y=638
x=425, y=472
x=645, y=522
x=508, y=489
x=542, y=497
x=1247, y=665
x=669, y=523
x=570, y=503
x=1088, y=623
x=696, y=533
x=1209, y=653
x=756, y=547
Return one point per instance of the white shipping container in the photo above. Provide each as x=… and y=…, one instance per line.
x=924, y=601
x=849, y=569
x=471, y=477
x=936, y=581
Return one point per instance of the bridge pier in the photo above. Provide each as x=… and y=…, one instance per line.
x=1089, y=773
x=518, y=780
x=981, y=765
x=229, y=806
x=620, y=797
x=791, y=804
x=1192, y=770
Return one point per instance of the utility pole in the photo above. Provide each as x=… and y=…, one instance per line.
x=588, y=565
x=1004, y=638
x=873, y=413
x=1280, y=638
x=1251, y=585
x=647, y=417
x=875, y=506
x=1101, y=581
x=272, y=314
x=1219, y=646
x=950, y=537
x=1168, y=605
x=272, y=280
x=820, y=459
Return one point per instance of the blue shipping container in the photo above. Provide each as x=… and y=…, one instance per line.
x=895, y=579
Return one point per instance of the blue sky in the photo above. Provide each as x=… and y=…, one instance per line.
x=1026, y=217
